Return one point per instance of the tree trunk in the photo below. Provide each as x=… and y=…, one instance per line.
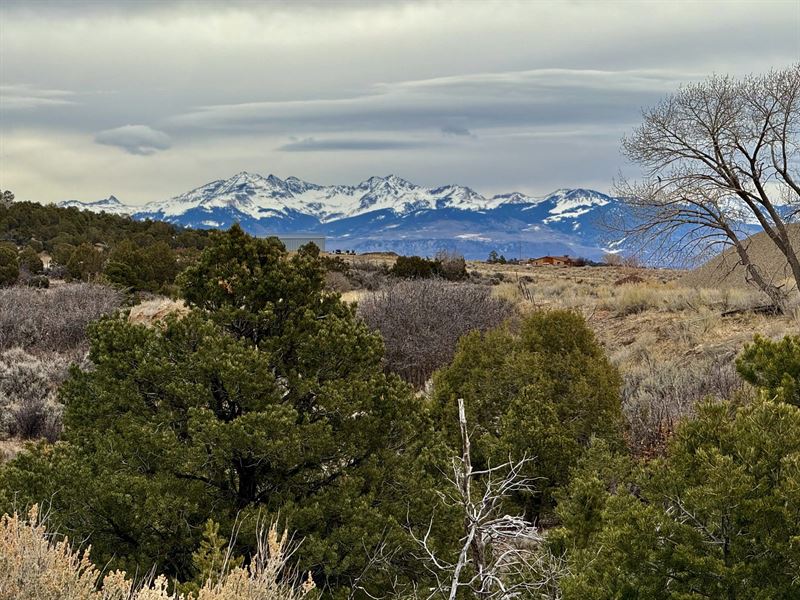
x=754, y=276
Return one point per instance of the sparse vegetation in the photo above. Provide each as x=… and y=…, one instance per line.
x=28, y=386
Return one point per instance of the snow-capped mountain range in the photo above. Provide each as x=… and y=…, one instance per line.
x=391, y=214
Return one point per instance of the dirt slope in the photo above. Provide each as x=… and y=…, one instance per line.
x=725, y=271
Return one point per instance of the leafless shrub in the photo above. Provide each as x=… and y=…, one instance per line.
x=336, y=281
x=656, y=395
x=612, y=259
x=366, y=265
x=28, y=385
x=368, y=280
x=632, y=278
x=422, y=320
x=52, y=319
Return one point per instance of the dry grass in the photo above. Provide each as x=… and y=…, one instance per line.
x=28, y=388
x=9, y=449
x=38, y=565
x=724, y=270
x=674, y=321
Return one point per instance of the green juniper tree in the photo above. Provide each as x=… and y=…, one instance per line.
x=150, y=268
x=267, y=401
x=9, y=264
x=718, y=517
x=540, y=392
x=773, y=366
x=30, y=261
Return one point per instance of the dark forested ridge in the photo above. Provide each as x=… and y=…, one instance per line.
x=51, y=226
x=83, y=245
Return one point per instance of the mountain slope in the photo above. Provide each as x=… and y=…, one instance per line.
x=390, y=213
x=109, y=205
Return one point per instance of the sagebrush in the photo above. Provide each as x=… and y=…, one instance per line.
x=54, y=319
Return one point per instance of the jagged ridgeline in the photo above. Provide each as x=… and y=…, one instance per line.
x=392, y=214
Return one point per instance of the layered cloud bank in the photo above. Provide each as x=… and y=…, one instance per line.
x=143, y=98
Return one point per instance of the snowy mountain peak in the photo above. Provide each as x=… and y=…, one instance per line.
x=390, y=213
x=109, y=205
x=257, y=196
x=570, y=204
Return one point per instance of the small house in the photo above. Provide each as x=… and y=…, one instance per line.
x=555, y=261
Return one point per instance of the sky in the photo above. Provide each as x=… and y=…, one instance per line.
x=146, y=100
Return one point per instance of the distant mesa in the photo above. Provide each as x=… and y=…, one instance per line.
x=392, y=214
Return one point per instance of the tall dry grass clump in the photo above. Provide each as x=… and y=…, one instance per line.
x=37, y=565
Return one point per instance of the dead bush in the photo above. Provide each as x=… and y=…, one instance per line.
x=336, y=281
x=422, y=320
x=632, y=278
x=54, y=319
x=369, y=279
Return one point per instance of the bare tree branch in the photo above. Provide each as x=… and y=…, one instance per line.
x=500, y=557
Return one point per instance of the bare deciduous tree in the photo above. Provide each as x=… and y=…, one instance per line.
x=500, y=556
x=716, y=155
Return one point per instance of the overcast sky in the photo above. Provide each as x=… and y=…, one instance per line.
x=145, y=100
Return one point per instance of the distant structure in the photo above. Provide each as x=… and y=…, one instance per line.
x=556, y=261
x=294, y=242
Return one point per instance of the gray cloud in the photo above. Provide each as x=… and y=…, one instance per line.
x=135, y=139
x=455, y=130
x=541, y=97
x=27, y=97
x=327, y=145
